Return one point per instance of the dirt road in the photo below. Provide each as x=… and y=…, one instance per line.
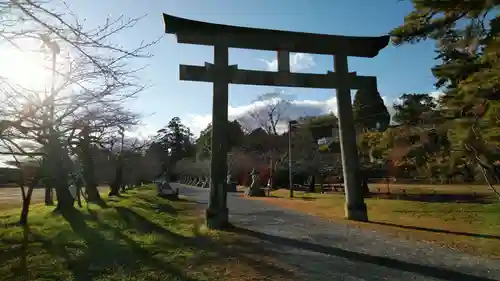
x=11, y=196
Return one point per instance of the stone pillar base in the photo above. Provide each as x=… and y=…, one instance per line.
x=255, y=192
x=217, y=219
x=356, y=212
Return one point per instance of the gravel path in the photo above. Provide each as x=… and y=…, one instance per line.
x=327, y=251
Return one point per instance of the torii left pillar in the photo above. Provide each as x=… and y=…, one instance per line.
x=217, y=212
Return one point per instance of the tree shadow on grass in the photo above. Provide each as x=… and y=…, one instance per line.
x=137, y=222
x=440, y=273
x=158, y=206
x=104, y=255
x=17, y=250
x=211, y=250
x=120, y=195
x=104, y=250
x=163, y=208
x=113, y=199
x=155, y=199
x=101, y=203
x=24, y=250
x=23, y=264
x=459, y=233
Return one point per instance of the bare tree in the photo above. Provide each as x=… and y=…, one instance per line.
x=90, y=74
x=123, y=152
x=150, y=165
x=28, y=175
x=271, y=111
x=92, y=130
x=24, y=20
x=265, y=141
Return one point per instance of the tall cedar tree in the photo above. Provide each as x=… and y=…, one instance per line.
x=369, y=110
x=175, y=142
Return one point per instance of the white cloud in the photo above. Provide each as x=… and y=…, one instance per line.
x=143, y=131
x=294, y=110
x=436, y=94
x=297, y=109
x=298, y=62
x=198, y=123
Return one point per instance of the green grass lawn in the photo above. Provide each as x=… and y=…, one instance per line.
x=470, y=227
x=136, y=237
x=430, y=188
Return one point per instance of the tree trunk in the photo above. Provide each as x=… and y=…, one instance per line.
x=58, y=160
x=64, y=199
x=90, y=183
x=23, y=220
x=118, y=182
x=88, y=167
x=78, y=196
x=492, y=187
x=49, y=197
x=114, y=190
x=312, y=184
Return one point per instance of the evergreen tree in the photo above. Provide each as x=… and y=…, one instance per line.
x=414, y=109
x=370, y=112
x=203, y=143
x=469, y=72
x=175, y=142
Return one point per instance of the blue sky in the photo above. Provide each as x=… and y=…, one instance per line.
x=399, y=69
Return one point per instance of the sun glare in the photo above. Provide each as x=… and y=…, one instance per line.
x=24, y=68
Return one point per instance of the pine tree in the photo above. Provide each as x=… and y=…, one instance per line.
x=469, y=72
x=414, y=109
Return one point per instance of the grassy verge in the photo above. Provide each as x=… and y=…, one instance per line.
x=136, y=237
x=469, y=227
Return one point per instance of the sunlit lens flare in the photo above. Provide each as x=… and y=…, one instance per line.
x=27, y=69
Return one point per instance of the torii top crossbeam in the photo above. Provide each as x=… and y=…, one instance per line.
x=203, y=33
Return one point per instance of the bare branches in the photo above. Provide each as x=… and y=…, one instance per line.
x=60, y=22
x=270, y=111
x=91, y=79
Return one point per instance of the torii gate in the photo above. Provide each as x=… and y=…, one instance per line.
x=220, y=73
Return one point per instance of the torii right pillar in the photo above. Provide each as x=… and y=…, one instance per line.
x=355, y=207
